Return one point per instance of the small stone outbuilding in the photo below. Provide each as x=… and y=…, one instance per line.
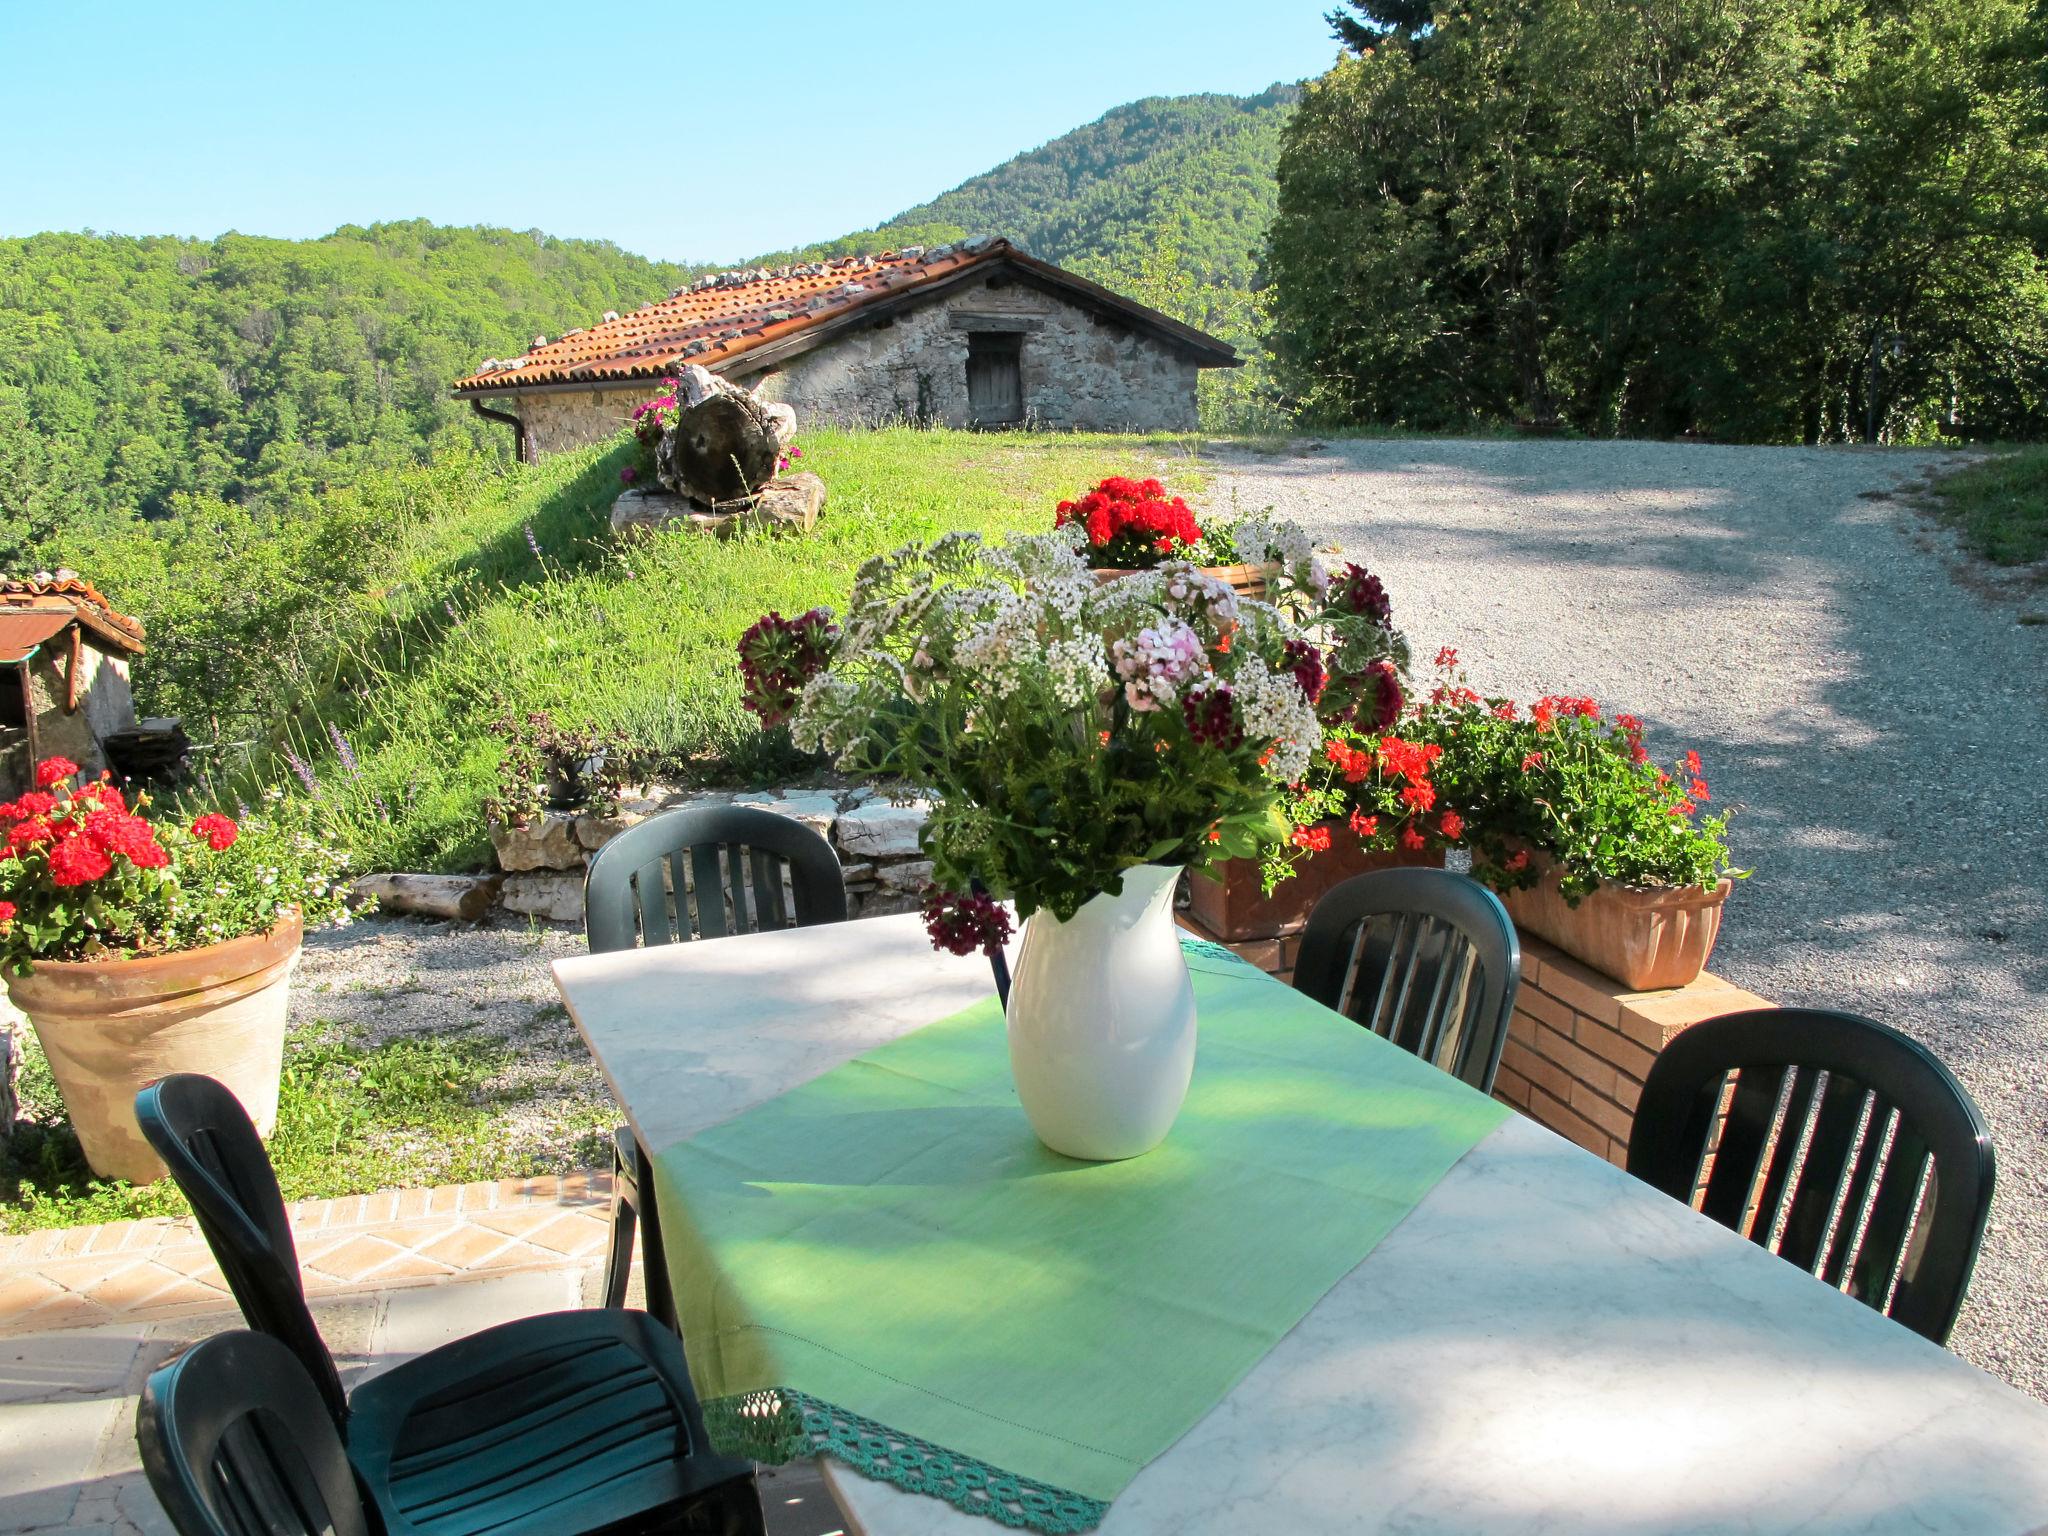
x=64, y=656
x=977, y=334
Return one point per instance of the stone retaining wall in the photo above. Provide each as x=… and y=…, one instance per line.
x=876, y=841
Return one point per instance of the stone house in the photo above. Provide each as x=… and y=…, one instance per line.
x=64, y=656
x=977, y=334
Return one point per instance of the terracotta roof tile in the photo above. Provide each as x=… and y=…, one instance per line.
x=721, y=316
x=728, y=314
x=66, y=592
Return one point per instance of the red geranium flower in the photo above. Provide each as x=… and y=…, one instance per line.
x=6, y=911
x=1452, y=825
x=1412, y=840
x=53, y=770
x=220, y=832
x=1364, y=825
x=77, y=861
x=1314, y=839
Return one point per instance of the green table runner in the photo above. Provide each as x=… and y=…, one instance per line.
x=886, y=1266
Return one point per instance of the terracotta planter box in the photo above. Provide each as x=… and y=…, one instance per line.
x=1648, y=938
x=1235, y=907
x=1247, y=579
x=112, y=1027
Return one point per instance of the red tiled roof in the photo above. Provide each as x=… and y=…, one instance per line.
x=719, y=318
x=66, y=596
x=22, y=630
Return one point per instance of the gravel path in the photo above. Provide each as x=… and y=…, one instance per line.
x=1876, y=724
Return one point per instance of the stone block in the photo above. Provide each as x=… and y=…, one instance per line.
x=857, y=874
x=646, y=799
x=816, y=808
x=881, y=903
x=909, y=875
x=880, y=830
x=593, y=832
x=556, y=897
x=546, y=842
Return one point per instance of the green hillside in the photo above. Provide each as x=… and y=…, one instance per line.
x=135, y=371
x=1167, y=199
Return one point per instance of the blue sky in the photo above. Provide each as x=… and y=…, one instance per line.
x=755, y=127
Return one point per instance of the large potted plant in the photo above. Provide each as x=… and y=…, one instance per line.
x=142, y=946
x=1134, y=525
x=1592, y=846
x=1083, y=743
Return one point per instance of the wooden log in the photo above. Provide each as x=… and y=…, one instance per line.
x=723, y=444
x=465, y=897
x=10, y=1080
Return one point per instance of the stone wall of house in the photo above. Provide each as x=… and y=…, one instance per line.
x=876, y=839
x=1078, y=372
x=105, y=704
x=574, y=417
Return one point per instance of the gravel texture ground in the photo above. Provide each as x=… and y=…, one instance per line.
x=1866, y=702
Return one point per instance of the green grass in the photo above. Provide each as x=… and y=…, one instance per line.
x=2001, y=506
x=352, y=1117
x=634, y=637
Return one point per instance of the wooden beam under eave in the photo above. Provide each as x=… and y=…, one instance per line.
x=71, y=671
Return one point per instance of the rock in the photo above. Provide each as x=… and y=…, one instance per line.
x=788, y=501
x=816, y=809
x=857, y=874
x=593, y=832
x=879, y=830
x=884, y=903
x=547, y=842
x=557, y=898
x=793, y=501
x=646, y=799
x=911, y=875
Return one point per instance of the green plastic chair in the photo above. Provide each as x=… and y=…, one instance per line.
x=565, y=1423
x=649, y=885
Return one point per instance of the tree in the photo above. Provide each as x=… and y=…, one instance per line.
x=1805, y=220
x=1402, y=19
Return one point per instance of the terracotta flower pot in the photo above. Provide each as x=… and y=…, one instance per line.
x=1235, y=905
x=112, y=1027
x=1647, y=937
x=1250, y=580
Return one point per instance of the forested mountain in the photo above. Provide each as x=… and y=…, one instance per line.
x=1167, y=199
x=134, y=371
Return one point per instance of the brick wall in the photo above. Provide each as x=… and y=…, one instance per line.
x=1580, y=1043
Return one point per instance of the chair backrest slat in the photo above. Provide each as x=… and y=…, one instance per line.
x=1819, y=1191
x=1789, y=1143
x=1424, y=958
x=1739, y=1157
x=236, y=1442
x=1879, y=1183
x=734, y=861
x=200, y=1130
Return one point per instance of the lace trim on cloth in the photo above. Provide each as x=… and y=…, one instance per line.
x=778, y=1426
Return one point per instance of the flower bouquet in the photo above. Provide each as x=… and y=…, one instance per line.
x=141, y=946
x=1083, y=741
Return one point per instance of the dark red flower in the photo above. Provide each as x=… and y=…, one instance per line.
x=1306, y=663
x=1362, y=593
x=1211, y=716
x=960, y=923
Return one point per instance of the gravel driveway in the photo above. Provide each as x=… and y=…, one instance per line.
x=1878, y=727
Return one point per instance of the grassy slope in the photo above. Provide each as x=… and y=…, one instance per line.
x=2001, y=506
x=635, y=637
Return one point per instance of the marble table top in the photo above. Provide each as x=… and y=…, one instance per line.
x=1545, y=1345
